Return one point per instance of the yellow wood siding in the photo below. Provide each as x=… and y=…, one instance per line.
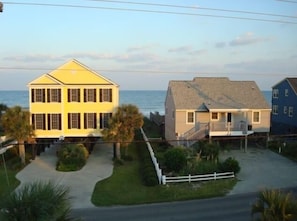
x=81, y=80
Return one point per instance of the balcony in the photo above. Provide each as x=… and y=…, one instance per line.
x=230, y=128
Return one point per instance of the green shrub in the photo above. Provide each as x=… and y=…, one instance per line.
x=37, y=201
x=290, y=149
x=127, y=158
x=72, y=157
x=200, y=167
x=230, y=165
x=274, y=145
x=147, y=169
x=175, y=159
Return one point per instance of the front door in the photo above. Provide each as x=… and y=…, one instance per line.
x=229, y=120
x=229, y=117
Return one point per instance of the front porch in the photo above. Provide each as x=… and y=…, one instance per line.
x=240, y=128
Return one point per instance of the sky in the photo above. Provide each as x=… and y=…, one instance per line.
x=143, y=46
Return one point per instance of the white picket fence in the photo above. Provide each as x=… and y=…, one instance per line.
x=190, y=178
x=194, y=178
x=154, y=159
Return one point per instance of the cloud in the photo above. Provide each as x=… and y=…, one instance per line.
x=264, y=66
x=33, y=58
x=182, y=49
x=141, y=48
x=247, y=39
x=135, y=57
x=198, y=52
x=187, y=50
x=127, y=57
x=220, y=44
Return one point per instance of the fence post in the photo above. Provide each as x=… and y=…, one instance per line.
x=189, y=178
x=164, y=179
x=215, y=175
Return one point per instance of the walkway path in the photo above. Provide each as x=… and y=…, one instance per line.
x=99, y=166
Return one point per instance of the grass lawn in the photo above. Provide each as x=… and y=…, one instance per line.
x=13, y=182
x=125, y=187
x=13, y=166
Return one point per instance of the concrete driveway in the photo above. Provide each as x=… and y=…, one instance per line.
x=81, y=183
x=262, y=168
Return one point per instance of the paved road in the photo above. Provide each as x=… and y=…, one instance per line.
x=230, y=208
x=99, y=166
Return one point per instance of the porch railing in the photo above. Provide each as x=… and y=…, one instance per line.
x=196, y=133
x=223, y=126
x=193, y=135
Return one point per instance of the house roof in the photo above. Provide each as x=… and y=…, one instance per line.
x=293, y=83
x=206, y=93
x=72, y=73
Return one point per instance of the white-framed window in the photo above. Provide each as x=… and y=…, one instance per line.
x=290, y=111
x=38, y=121
x=190, y=117
x=214, y=116
x=74, y=95
x=256, y=117
x=90, y=95
x=275, y=109
x=285, y=109
x=73, y=120
x=90, y=120
x=54, y=122
x=105, y=95
x=286, y=92
x=275, y=93
x=54, y=95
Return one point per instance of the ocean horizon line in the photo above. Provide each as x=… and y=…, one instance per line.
x=127, y=90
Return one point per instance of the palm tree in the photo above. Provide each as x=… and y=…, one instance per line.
x=16, y=125
x=122, y=125
x=274, y=205
x=36, y=201
x=3, y=108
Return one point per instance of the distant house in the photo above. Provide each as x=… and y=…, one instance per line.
x=71, y=101
x=284, y=107
x=212, y=107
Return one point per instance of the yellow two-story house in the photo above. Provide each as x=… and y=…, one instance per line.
x=71, y=101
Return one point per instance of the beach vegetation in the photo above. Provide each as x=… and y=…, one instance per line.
x=37, y=201
x=121, y=128
x=3, y=108
x=274, y=205
x=72, y=157
x=16, y=125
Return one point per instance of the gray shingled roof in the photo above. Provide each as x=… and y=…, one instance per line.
x=217, y=93
x=293, y=83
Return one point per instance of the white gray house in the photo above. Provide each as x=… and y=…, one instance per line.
x=212, y=107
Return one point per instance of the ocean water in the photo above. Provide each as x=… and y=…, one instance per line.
x=146, y=101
